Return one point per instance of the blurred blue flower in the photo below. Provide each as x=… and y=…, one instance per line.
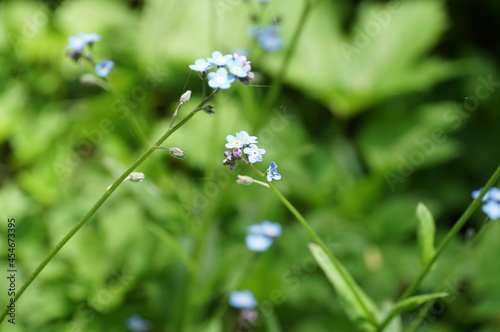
x=237, y=68
x=218, y=59
x=90, y=38
x=138, y=324
x=492, y=199
x=76, y=43
x=272, y=172
x=268, y=37
x=475, y=193
x=242, y=300
x=257, y=242
x=201, y=65
x=104, y=67
x=242, y=138
x=492, y=209
x=220, y=79
x=261, y=236
x=255, y=229
x=254, y=153
x=270, y=229
x=492, y=194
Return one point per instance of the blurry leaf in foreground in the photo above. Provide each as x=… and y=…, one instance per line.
x=358, y=306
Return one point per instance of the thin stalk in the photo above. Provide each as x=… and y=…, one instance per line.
x=278, y=79
x=318, y=240
x=458, y=260
x=452, y=233
x=188, y=311
x=446, y=241
x=102, y=199
x=172, y=121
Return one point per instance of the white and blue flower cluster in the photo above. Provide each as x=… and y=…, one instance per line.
x=237, y=65
x=492, y=202
x=76, y=48
x=241, y=143
x=261, y=236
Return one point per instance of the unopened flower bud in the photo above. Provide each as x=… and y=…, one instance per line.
x=178, y=153
x=229, y=162
x=237, y=153
x=227, y=153
x=209, y=109
x=185, y=97
x=135, y=177
x=247, y=180
x=74, y=55
x=243, y=179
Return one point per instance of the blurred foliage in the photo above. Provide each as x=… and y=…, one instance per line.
x=384, y=105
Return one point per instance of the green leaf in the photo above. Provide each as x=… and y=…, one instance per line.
x=426, y=230
x=358, y=306
x=415, y=301
x=271, y=321
x=172, y=243
x=364, y=67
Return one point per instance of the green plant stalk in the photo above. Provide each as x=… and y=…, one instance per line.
x=446, y=241
x=276, y=83
x=423, y=312
x=103, y=198
x=189, y=310
x=318, y=240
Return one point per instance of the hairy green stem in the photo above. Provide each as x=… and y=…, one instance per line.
x=102, y=199
x=446, y=241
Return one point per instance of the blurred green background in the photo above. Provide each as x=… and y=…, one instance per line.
x=383, y=105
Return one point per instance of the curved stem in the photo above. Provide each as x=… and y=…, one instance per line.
x=446, y=241
x=457, y=262
x=452, y=233
x=102, y=199
x=318, y=240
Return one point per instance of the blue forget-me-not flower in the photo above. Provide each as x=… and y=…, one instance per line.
x=220, y=79
x=272, y=172
x=492, y=202
x=218, y=59
x=258, y=242
x=261, y=236
x=241, y=139
x=201, y=65
x=237, y=68
x=242, y=300
x=104, y=67
x=254, y=153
